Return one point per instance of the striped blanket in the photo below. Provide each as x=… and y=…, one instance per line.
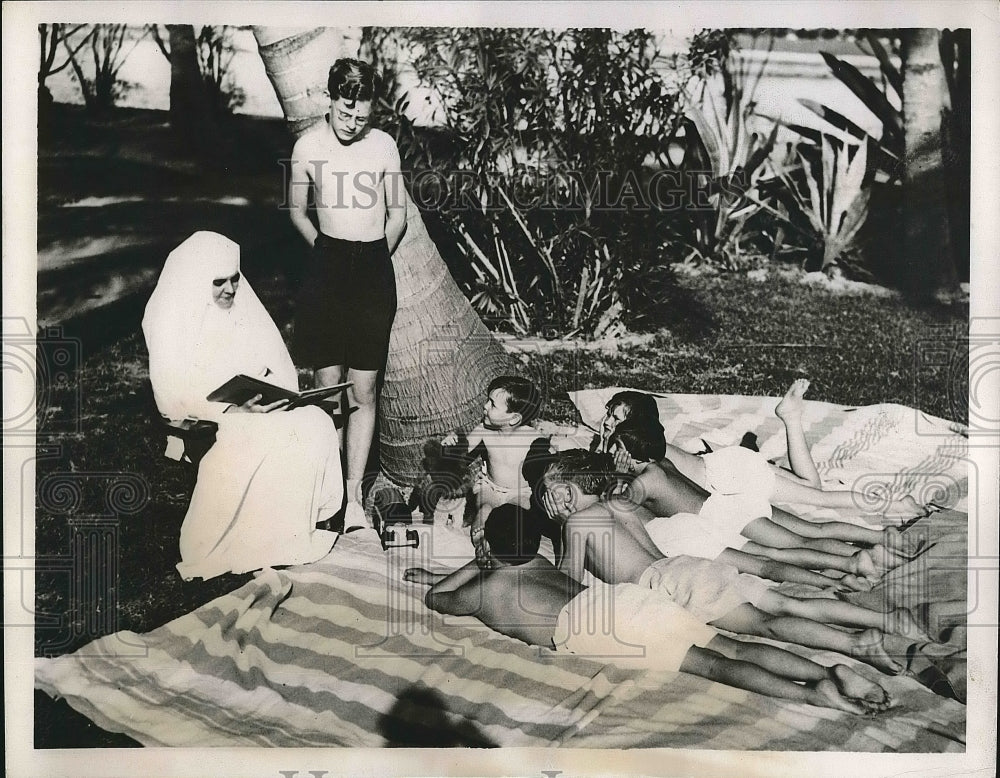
x=343, y=652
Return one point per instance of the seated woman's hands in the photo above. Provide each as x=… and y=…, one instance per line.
x=253, y=406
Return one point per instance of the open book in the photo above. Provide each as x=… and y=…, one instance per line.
x=240, y=388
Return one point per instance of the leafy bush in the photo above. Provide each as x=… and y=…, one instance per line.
x=724, y=162
x=827, y=188
x=543, y=145
x=885, y=153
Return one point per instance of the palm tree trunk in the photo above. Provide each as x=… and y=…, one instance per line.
x=441, y=356
x=925, y=97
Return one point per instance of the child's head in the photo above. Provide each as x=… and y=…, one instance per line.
x=352, y=85
x=352, y=80
x=511, y=534
x=511, y=401
x=574, y=472
x=627, y=405
x=642, y=439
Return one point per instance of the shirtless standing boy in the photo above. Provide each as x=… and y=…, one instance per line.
x=347, y=302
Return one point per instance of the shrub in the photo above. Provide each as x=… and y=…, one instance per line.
x=538, y=163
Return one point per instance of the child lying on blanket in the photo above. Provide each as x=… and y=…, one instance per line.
x=504, y=439
x=624, y=405
x=689, y=534
x=741, y=471
x=514, y=590
x=665, y=491
x=605, y=539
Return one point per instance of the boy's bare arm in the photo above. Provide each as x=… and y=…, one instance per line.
x=298, y=193
x=459, y=593
x=395, y=200
x=474, y=438
x=574, y=560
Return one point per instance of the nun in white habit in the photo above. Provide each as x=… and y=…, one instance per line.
x=272, y=474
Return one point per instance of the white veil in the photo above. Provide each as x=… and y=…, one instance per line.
x=194, y=345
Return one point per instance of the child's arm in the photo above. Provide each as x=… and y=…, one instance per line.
x=474, y=438
x=298, y=191
x=456, y=593
x=395, y=199
x=574, y=557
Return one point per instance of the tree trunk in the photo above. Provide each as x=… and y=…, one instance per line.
x=191, y=115
x=441, y=356
x=925, y=210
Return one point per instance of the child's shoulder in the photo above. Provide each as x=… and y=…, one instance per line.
x=380, y=142
x=599, y=511
x=310, y=137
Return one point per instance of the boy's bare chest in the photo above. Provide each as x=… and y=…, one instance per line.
x=360, y=161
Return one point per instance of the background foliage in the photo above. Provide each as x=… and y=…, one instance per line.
x=547, y=143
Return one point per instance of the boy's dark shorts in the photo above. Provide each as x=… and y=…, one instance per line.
x=345, y=306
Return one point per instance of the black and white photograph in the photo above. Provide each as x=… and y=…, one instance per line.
x=391, y=385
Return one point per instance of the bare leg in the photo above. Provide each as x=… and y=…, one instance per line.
x=776, y=571
x=773, y=671
x=362, y=424
x=789, y=491
x=866, y=646
x=832, y=530
x=770, y=533
x=789, y=410
x=829, y=611
x=874, y=562
x=810, y=558
x=328, y=376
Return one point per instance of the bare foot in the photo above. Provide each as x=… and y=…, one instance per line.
x=905, y=507
x=901, y=622
x=791, y=403
x=856, y=687
x=853, y=583
x=826, y=695
x=869, y=647
x=865, y=564
x=878, y=560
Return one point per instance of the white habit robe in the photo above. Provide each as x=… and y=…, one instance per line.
x=269, y=477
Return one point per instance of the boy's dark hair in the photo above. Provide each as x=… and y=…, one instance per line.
x=522, y=396
x=640, y=405
x=593, y=472
x=352, y=79
x=512, y=534
x=643, y=439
